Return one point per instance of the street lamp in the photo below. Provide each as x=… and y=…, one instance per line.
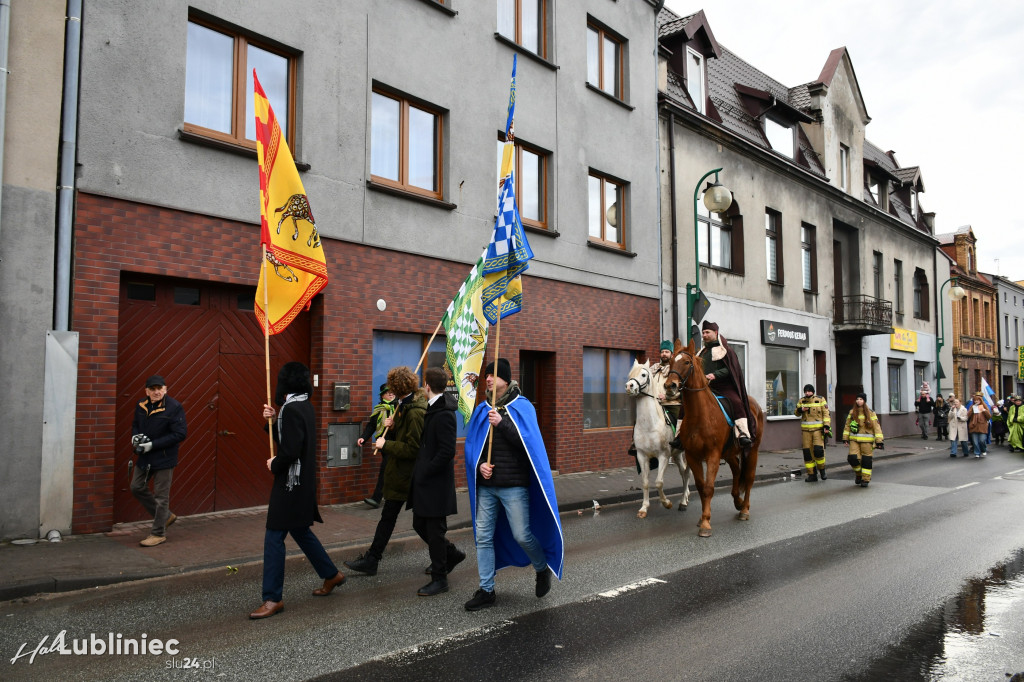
x=956, y=292
x=717, y=199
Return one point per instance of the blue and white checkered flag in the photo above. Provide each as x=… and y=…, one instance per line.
x=988, y=396
x=508, y=255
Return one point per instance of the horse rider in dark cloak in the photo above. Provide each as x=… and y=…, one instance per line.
x=725, y=376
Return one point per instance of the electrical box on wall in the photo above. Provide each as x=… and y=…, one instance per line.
x=342, y=450
x=341, y=395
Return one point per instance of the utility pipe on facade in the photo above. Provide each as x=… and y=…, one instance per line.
x=68, y=149
x=675, y=226
x=5, y=38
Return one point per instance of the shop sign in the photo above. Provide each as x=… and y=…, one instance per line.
x=781, y=334
x=1020, y=363
x=903, y=339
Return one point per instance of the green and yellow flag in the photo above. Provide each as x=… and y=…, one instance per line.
x=466, y=331
x=299, y=268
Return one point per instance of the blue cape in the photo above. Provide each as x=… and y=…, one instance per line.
x=544, y=521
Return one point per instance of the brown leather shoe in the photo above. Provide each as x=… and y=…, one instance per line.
x=268, y=609
x=329, y=585
x=153, y=541
x=171, y=519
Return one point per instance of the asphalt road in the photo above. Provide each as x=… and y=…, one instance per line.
x=826, y=581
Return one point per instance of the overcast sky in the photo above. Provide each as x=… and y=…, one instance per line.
x=943, y=84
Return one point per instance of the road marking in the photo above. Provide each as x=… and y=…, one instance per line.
x=630, y=587
x=1011, y=473
x=965, y=485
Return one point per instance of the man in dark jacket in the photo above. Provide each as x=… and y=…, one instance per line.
x=725, y=376
x=515, y=513
x=292, y=509
x=432, y=493
x=924, y=406
x=157, y=430
x=407, y=426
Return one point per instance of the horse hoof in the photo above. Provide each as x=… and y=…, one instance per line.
x=704, y=533
x=642, y=514
x=681, y=507
x=667, y=504
x=744, y=516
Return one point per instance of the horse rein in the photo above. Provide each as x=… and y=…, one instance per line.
x=682, y=380
x=641, y=387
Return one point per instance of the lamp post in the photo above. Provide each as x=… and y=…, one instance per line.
x=956, y=292
x=717, y=199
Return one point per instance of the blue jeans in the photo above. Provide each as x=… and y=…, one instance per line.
x=516, y=502
x=952, y=447
x=273, y=559
x=978, y=443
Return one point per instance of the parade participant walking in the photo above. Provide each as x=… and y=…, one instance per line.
x=723, y=372
x=517, y=479
x=957, y=422
x=158, y=428
x=977, y=426
x=924, y=405
x=863, y=434
x=999, y=427
x=373, y=430
x=815, y=427
x=432, y=493
x=941, y=414
x=1015, y=422
x=292, y=508
x=401, y=453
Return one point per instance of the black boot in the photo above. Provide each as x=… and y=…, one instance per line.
x=366, y=563
x=822, y=473
x=435, y=586
x=811, y=478
x=543, y=582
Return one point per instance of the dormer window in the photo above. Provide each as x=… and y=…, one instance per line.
x=844, y=167
x=913, y=203
x=780, y=137
x=695, y=78
x=879, y=192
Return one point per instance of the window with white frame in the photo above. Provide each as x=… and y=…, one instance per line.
x=773, y=245
x=695, y=79
x=714, y=238
x=808, y=257
x=780, y=137
x=896, y=386
x=781, y=380
x=844, y=167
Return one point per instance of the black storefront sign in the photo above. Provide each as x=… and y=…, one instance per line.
x=781, y=334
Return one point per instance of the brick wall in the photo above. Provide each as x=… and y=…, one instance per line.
x=112, y=236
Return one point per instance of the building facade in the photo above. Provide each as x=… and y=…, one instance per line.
x=821, y=271
x=1010, y=327
x=398, y=153
x=975, y=342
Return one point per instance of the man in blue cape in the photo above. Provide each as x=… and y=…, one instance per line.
x=512, y=497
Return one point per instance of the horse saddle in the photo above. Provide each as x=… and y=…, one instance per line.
x=728, y=409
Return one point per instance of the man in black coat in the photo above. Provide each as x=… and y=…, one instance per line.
x=432, y=493
x=157, y=429
x=292, y=509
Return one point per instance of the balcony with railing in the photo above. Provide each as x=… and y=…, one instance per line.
x=862, y=314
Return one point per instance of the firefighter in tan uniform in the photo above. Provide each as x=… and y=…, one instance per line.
x=863, y=434
x=815, y=427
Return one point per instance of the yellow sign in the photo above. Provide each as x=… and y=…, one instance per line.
x=903, y=339
x=1020, y=362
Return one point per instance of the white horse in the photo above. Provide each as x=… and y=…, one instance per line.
x=651, y=436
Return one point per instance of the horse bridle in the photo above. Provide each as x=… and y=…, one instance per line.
x=682, y=379
x=647, y=382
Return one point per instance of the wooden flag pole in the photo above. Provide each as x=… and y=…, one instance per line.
x=494, y=384
x=416, y=371
x=266, y=344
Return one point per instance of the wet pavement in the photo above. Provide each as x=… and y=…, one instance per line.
x=235, y=537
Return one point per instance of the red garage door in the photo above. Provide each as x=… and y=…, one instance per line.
x=204, y=340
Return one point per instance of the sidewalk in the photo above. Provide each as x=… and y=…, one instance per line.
x=234, y=537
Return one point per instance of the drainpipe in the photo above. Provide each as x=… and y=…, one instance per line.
x=66, y=184
x=675, y=227
x=657, y=175
x=5, y=32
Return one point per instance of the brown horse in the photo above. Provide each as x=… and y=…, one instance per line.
x=707, y=437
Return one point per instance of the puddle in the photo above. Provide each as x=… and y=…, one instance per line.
x=977, y=635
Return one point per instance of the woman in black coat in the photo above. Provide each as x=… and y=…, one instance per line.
x=292, y=509
x=432, y=493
